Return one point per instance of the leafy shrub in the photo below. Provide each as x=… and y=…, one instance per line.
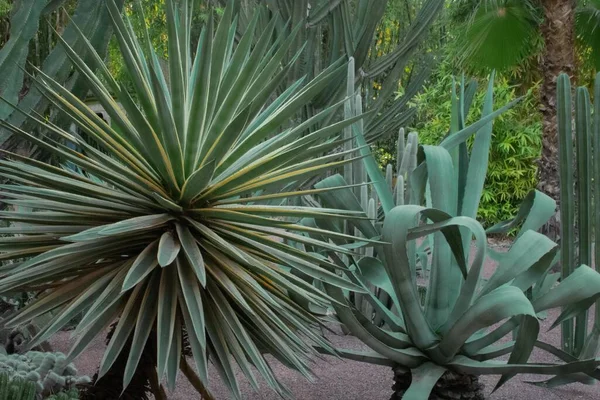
x=5, y=8
x=516, y=141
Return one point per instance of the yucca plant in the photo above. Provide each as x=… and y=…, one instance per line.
x=455, y=333
x=174, y=226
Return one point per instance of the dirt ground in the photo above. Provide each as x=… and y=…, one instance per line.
x=337, y=379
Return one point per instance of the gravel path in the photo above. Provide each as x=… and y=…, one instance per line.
x=349, y=380
x=337, y=379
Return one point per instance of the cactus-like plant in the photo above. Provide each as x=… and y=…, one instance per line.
x=393, y=193
x=72, y=394
x=49, y=372
x=580, y=211
x=15, y=388
x=399, y=185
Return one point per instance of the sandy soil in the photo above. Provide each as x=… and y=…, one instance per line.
x=348, y=380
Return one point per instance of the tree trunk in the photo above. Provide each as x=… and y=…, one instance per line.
x=558, y=56
x=451, y=386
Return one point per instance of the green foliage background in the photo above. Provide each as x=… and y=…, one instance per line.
x=517, y=134
x=516, y=142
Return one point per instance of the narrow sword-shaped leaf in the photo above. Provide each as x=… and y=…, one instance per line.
x=143, y=326
x=192, y=252
x=167, y=312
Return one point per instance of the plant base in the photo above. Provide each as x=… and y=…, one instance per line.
x=451, y=386
x=110, y=386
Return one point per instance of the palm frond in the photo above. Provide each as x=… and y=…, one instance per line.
x=498, y=33
x=587, y=24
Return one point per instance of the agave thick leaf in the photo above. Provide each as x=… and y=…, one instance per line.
x=163, y=229
x=462, y=320
x=468, y=340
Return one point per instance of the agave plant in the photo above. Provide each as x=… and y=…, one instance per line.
x=173, y=224
x=460, y=323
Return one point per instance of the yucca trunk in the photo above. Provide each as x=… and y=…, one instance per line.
x=558, y=56
x=451, y=386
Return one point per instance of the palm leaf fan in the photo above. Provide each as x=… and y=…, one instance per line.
x=498, y=34
x=587, y=24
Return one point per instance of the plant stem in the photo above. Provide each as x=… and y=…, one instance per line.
x=157, y=389
x=195, y=380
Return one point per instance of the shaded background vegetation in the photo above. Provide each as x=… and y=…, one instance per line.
x=517, y=139
x=516, y=142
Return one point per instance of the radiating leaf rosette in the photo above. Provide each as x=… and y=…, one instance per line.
x=172, y=221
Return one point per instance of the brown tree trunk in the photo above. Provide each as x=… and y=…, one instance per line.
x=558, y=56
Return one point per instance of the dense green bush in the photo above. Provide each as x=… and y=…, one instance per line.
x=516, y=142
